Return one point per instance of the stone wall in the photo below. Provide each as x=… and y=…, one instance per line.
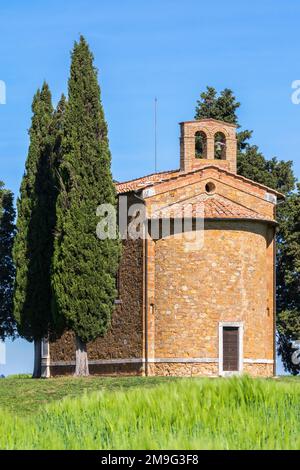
x=229, y=280
x=259, y=370
x=125, y=336
x=110, y=370
x=182, y=369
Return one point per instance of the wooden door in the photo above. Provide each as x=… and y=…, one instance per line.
x=230, y=348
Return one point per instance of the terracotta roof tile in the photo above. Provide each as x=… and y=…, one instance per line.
x=209, y=207
x=140, y=183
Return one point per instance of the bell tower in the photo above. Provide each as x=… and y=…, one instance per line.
x=207, y=141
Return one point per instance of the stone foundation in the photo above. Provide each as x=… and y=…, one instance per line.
x=259, y=370
x=163, y=369
x=110, y=370
x=182, y=369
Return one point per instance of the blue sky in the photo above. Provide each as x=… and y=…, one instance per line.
x=169, y=49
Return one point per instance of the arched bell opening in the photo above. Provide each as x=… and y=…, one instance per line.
x=200, y=144
x=220, y=146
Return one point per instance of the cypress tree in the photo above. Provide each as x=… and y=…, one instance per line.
x=7, y=270
x=222, y=107
x=84, y=267
x=33, y=245
x=57, y=133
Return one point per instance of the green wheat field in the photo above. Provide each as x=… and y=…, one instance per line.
x=149, y=413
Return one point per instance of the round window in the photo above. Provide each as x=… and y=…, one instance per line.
x=210, y=187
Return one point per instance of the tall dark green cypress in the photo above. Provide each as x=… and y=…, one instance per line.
x=222, y=107
x=7, y=269
x=33, y=245
x=57, y=129
x=84, y=267
x=57, y=132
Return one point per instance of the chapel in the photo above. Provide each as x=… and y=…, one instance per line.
x=196, y=292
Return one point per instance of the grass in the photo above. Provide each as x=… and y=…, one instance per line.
x=145, y=413
x=22, y=395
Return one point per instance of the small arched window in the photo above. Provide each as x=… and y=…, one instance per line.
x=200, y=145
x=220, y=146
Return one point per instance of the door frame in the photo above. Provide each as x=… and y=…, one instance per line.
x=240, y=326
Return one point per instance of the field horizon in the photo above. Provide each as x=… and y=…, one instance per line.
x=150, y=413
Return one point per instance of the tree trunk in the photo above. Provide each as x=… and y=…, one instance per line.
x=82, y=364
x=37, y=359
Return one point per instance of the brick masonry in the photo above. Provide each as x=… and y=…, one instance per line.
x=227, y=280
x=209, y=127
x=174, y=296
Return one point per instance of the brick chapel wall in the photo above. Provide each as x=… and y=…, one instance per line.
x=125, y=336
x=229, y=279
x=193, y=185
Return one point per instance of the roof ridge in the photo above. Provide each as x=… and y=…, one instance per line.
x=146, y=176
x=178, y=174
x=219, y=121
x=223, y=170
